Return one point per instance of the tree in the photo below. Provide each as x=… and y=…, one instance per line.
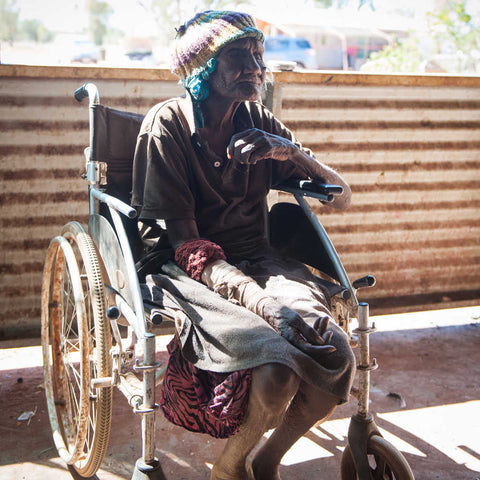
x=35, y=31
x=168, y=15
x=8, y=20
x=457, y=40
x=99, y=13
x=402, y=57
x=455, y=32
x=343, y=3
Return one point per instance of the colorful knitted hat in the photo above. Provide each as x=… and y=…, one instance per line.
x=200, y=39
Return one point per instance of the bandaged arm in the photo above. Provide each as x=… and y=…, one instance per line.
x=234, y=285
x=205, y=261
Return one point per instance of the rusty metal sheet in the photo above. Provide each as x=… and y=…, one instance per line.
x=410, y=154
x=409, y=147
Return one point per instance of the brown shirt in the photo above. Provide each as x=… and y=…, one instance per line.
x=176, y=176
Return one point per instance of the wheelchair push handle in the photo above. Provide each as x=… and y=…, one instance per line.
x=87, y=90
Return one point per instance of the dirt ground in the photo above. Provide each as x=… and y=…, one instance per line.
x=425, y=395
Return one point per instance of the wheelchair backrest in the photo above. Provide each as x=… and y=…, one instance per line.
x=114, y=140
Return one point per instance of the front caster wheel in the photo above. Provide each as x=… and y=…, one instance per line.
x=386, y=462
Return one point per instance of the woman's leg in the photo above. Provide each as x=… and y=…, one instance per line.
x=272, y=388
x=308, y=407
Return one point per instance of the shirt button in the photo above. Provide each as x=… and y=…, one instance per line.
x=216, y=164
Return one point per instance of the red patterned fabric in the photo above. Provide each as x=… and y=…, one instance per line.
x=194, y=255
x=203, y=401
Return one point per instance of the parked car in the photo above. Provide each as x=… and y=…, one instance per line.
x=290, y=49
x=84, y=51
x=140, y=57
x=72, y=48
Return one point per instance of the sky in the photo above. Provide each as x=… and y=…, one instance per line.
x=130, y=17
x=70, y=15
x=138, y=27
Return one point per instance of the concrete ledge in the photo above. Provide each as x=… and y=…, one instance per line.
x=301, y=77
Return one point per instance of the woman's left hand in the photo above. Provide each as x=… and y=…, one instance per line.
x=253, y=145
x=314, y=341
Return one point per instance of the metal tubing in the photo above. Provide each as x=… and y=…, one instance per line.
x=131, y=317
x=132, y=389
x=363, y=328
x=115, y=203
x=131, y=271
x=330, y=249
x=363, y=332
x=148, y=419
x=93, y=99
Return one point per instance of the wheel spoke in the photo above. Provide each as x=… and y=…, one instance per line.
x=77, y=376
x=92, y=418
x=74, y=401
x=71, y=348
x=69, y=317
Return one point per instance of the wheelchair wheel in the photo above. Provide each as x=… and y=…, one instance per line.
x=76, y=348
x=386, y=462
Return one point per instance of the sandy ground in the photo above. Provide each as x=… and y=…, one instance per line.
x=430, y=361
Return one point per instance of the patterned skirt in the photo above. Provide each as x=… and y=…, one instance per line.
x=203, y=401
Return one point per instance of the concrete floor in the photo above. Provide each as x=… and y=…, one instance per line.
x=429, y=361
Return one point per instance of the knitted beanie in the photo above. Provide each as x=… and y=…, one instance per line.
x=199, y=41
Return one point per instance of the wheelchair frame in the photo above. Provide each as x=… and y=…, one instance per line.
x=84, y=294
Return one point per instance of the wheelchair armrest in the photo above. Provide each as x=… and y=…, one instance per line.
x=311, y=188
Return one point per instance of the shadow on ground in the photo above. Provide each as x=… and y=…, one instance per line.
x=425, y=394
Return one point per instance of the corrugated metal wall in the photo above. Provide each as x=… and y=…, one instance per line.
x=409, y=151
x=43, y=131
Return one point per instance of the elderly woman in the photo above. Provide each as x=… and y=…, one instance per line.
x=253, y=349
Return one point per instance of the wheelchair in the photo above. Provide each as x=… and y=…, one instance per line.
x=97, y=333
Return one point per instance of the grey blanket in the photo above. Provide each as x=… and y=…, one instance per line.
x=220, y=336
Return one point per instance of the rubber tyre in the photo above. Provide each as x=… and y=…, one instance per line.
x=386, y=462
x=76, y=347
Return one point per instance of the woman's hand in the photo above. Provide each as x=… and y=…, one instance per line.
x=290, y=325
x=253, y=145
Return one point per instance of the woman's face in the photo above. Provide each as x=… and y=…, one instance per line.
x=240, y=72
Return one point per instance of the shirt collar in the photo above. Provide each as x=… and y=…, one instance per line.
x=242, y=119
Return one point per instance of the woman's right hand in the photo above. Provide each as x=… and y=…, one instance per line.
x=314, y=341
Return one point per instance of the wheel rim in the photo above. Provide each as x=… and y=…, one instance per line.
x=76, y=348
x=64, y=338
x=385, y=462
x=379, y=468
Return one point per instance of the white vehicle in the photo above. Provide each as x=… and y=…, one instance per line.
x=76, y=49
